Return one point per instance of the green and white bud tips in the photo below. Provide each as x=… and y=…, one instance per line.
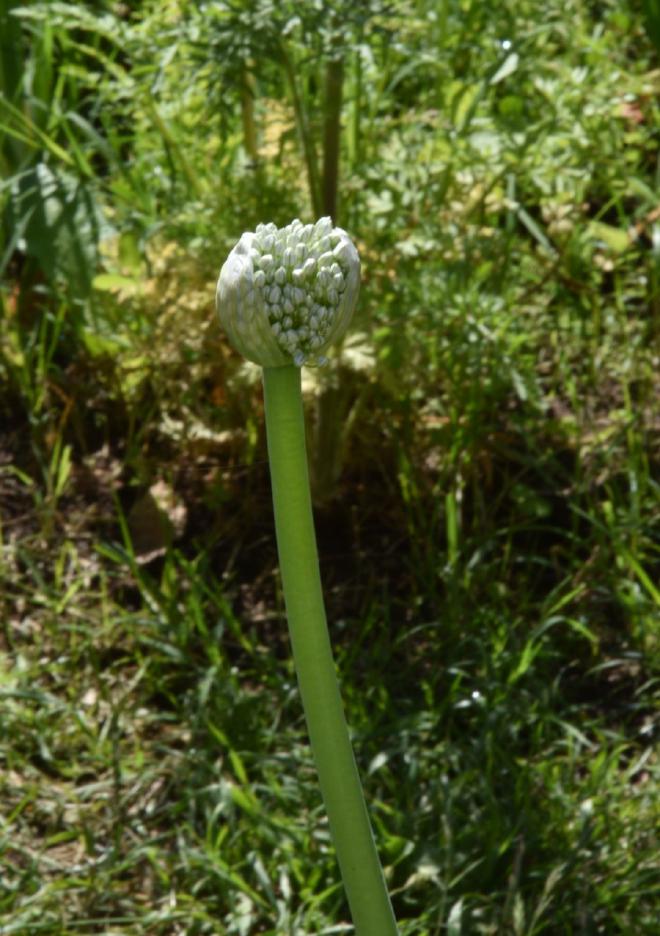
x=285, y=294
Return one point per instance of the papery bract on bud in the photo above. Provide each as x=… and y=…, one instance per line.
x=286, y=294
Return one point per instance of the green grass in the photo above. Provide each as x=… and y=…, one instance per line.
x=156, y=770
x=485, y=460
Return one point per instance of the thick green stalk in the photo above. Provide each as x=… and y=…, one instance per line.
x=319, y=689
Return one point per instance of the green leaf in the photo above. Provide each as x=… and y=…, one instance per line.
x=508, y=67
x=463, y=103
x=114, y=283
x=614, y=238
x=454, y=923
x=62, y=224
x=651, y=10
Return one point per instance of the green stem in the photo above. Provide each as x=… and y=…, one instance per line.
x=248, y=93
x=355, y=136
x=304, y=132
x=334, y=84
x=340, y=783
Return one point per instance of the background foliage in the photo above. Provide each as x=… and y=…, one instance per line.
x=484, y=449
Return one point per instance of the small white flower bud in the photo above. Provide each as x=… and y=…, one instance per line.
x=342, y=252
x=309, y=267
x=323, y=227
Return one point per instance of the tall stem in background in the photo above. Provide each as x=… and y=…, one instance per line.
x=248, y=91
x=334, y=83
x=304, y=133
x=356, y=107
x=296, y=541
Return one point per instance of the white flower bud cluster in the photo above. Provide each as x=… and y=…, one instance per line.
x=285, y=294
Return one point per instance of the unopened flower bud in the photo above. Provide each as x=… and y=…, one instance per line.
x=288, y=311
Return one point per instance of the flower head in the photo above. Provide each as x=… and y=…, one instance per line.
x=285, y=294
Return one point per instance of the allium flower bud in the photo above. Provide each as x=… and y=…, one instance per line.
x=277, y=315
